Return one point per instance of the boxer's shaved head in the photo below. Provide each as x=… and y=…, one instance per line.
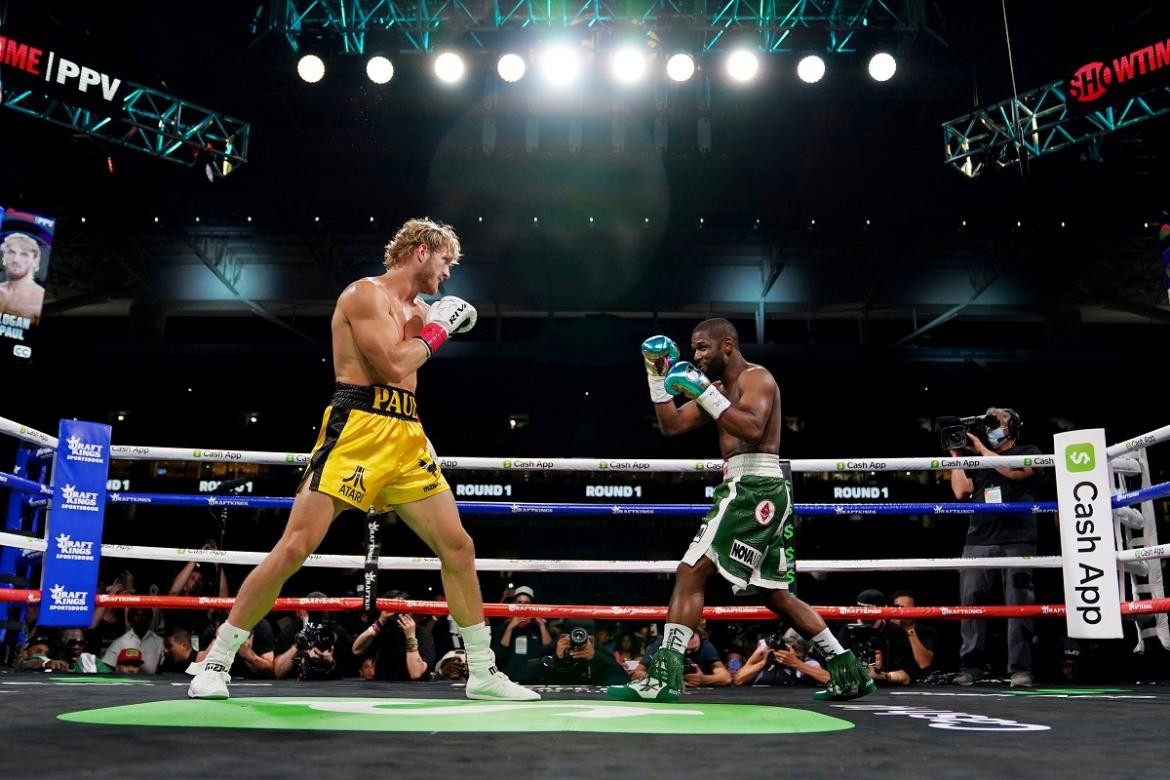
x=717, y=329
x=708, y=341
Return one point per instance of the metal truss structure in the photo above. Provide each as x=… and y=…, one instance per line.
x=1039, y=122
x=149, y=121
x=777, y=25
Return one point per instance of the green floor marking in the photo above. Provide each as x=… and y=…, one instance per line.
x=374, y=714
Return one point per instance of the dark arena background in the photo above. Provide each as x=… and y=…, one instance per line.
x=908, y=210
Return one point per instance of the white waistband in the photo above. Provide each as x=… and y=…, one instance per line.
x=752, y=464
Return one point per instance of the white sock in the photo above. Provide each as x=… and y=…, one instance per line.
x=827, y=644
x=476, y=638
x=227, y=641
x=675, y=637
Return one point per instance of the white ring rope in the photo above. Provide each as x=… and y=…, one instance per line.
x=550, y=565
x=631, y=465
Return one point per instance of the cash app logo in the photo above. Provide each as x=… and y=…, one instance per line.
x=1080, y=457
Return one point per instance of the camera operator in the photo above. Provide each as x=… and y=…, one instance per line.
x=781, y=659
x=701, y=664
x=577, y=661
x=308, y=646
x=997, y=535
x=879, y=644
x=522, y=642
x=400, y=650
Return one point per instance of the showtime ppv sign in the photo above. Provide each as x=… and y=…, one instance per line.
x=33, y=60
x=1092, y=80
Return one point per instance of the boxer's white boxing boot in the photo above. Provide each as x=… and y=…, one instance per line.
x=211, y=674
x=484, y=680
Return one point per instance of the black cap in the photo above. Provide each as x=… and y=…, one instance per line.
x=871, y=598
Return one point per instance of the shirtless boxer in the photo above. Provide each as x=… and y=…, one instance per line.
x=743, y=535
x=372, y=452
x=19, y=292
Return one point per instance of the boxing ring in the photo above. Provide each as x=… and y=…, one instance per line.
x=1017, y=722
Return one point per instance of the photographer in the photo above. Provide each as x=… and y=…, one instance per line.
x=256, y=657
x=997, y=536
x=195, y=579
x=781, y=659
x=400, y=650
x=880, y=645
x=308, y=647
x=522, y=642
x=577, y=661
x=701, y=664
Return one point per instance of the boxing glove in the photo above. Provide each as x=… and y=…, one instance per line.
x=686, y=379
x=659, y=353
x=447, y=316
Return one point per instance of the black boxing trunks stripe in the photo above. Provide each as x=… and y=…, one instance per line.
x=384, y=400
x=333, y=428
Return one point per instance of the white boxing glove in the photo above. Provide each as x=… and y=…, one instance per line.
x=447, y=316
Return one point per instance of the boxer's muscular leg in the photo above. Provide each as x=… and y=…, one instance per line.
x=690, y=587
x=436, y=521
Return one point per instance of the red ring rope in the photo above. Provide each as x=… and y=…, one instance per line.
x=603, y=613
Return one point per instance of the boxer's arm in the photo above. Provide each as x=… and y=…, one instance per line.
x=673, y=420
x=378, y=336
x=748, y=417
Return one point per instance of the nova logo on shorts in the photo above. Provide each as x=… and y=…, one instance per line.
x=765, y=511
x=748, y=556
x=353, y=487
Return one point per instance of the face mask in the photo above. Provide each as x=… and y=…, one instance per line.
x=995, y=437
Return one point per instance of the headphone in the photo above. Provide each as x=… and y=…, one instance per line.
x=1013, y=422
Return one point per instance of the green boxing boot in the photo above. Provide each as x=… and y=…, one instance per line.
x=848, y=679
x=663, y=682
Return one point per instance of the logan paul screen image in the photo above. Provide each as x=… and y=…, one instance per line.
x=25, y=243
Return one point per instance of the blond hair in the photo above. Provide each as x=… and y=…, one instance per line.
x=435, y=235
x=21, y=241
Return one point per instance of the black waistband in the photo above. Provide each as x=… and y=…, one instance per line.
x=377, y=399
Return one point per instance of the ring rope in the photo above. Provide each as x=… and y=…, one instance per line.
x=600, y=612
x=402, y=563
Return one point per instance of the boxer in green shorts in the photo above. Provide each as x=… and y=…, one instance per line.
x=745, y=535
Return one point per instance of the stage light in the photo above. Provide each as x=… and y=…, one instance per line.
x=311, y=68
x=882, y=66
x=511, y=68
x=628, y=65
x=560, y=65
x=742, y=65
x=810, y=69
x=379, y=69
x=449, y=67
x=680, y=67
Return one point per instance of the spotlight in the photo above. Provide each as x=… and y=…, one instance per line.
x=379, y=69
x=810, y=69
x=742, y=65
x=560, y=65
x=311, y=68
x=882, y=66
x=511, y=68
x=628, y=65
x=680, y=67
x=449, y=67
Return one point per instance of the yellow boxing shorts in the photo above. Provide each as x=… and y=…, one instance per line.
x=372, y=451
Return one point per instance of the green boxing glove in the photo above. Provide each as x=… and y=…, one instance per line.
x=659, y=354
x=688, y=380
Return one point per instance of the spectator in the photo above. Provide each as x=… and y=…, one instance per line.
x=366, y=668
x=178, y=653
x=995, y=536
x=400, y=650
x=445, y=632
x=452, y=667
x=139, y=637
x=196, y=579
x=629, y=652
x=879, y=644
x=605, y=640
x=575, y=659
x=36, y=656
x=109, y=623
x=522, y=642
x=782, y=659
x=701, y=664
x=255, y=658
x=129, y=661
x=923, y=639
